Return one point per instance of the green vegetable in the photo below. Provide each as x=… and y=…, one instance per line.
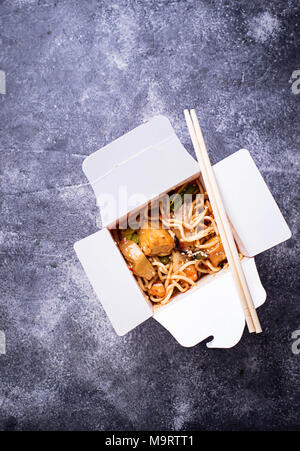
x=177, y=202
x=165, y=260
x=190, y=189
x=132, y=235
x=135, y=238
x=182, y=188
x=178, y=198
x=175, y=198
x=200, y=255
x=128, y=233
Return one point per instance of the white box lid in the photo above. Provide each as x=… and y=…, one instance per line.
x=113, y=283
x=146, y=161
x=256, y=219
x=212, y=309
x=151, y=160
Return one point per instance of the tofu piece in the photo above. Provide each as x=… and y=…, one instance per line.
x=216, y=253
x=155, y=242
x=139, y=263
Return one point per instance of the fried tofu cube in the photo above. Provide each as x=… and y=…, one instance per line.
x=139, y=263
x=216, y=253
x=155, y=242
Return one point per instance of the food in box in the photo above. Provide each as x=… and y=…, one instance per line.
x=135, y=164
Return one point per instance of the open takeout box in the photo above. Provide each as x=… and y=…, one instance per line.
x=142, y=165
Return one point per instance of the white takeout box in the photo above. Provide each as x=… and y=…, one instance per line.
x=151, y=160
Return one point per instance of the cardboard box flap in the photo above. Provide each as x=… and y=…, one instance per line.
x=140, y=166
x=211, y=309
x=256, y=219
x=137, y=167
x=120, y=295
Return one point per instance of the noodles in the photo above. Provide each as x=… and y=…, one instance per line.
x=184, y=247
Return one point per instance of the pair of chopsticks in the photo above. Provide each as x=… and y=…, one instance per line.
x=222, y=222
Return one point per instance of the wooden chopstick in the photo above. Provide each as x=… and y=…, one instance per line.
x=226, y=226
x=222, y=222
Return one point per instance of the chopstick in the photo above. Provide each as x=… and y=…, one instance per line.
x=222, y=222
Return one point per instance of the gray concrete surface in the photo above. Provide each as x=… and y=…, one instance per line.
x=78, y=75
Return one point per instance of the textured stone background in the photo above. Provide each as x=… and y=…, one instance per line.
x=79, y=74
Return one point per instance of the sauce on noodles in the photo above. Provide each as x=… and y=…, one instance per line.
x=183, y=247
